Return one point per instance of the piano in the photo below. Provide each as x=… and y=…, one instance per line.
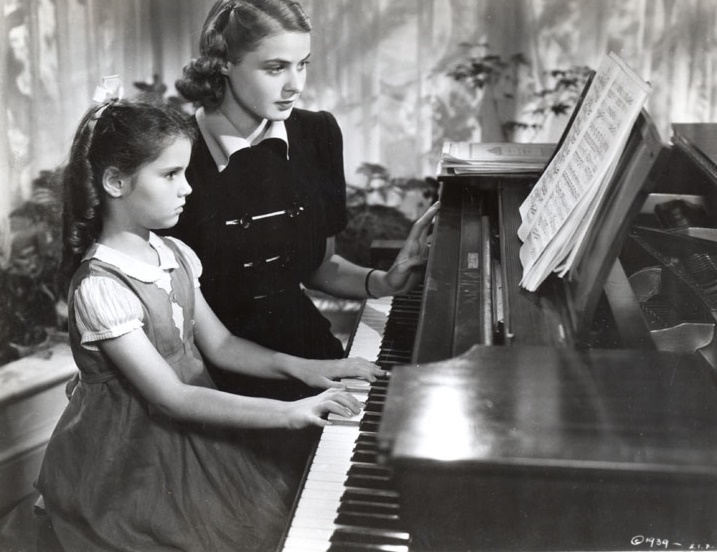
x=579, y=417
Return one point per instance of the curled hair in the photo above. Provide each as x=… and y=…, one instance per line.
x=122, y=134
x=232, y=29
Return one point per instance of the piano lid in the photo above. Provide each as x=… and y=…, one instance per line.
x=555, y=409
x=699, y=140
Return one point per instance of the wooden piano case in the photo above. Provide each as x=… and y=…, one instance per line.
x=551, y=420
x=538, y=448
x=473, y=273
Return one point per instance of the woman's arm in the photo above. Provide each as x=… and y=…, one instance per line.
x=342, y=278
x=239, y=355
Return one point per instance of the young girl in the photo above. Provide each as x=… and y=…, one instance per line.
x=148, y=454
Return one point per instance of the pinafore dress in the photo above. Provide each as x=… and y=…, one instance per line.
x=117, y=475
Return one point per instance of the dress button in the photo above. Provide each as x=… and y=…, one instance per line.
x=293, y=210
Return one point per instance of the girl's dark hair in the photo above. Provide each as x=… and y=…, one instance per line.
x=232, y=29
x=122, y=134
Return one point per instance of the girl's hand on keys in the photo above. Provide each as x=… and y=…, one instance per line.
x=324, y=374
x=310, y=411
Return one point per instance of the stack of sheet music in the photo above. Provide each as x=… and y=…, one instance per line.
x=560, y=209
x=494, y=157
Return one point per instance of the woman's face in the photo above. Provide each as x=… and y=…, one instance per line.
x=266, y=83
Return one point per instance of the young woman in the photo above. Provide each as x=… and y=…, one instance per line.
x=148, y=454
x=269, y=188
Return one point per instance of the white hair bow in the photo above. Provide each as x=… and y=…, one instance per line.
x=110, y=89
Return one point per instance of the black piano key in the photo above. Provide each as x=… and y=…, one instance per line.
x=383, y=496
x=366, y=439
x=365, y=456
x=394, y=359
x=368, y=480
x=387, y=365
x=373, y=406
x=364, y=449
x=372, y=417
x=365, y=468
x=368, y=505
x=365, y=547
x=368, y=425
x=369, y=535
x=370, y=519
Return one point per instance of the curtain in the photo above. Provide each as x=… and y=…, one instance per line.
x=381, y=66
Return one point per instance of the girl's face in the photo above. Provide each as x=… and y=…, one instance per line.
x=158, y=189
x=266, y=83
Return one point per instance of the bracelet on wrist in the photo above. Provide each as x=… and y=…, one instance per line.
x=365, y=284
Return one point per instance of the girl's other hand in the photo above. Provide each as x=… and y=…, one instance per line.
x=310, y=411
x=323, y=374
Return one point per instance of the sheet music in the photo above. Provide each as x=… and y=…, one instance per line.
x=557, y=213
x=494, y=157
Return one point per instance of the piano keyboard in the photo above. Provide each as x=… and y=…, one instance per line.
x=347, y=502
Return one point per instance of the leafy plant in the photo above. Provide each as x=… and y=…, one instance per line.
x=371, y=214
x=32, y=307
x=520, y=101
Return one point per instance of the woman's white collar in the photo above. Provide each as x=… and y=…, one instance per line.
x=222, y=139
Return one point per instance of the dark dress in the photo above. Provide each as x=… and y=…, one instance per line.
x=117, y=475
x=254, y=259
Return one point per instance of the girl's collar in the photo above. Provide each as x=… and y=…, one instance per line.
x=222, y=140
x=132, y=267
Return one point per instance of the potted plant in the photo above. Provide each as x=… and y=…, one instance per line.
x=32, y=305
x=383, y=208
x=519, y=100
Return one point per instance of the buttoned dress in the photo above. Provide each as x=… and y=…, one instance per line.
x=260, y=212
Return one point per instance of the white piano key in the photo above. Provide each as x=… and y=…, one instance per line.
x=330, y=446
x=331, y=467
x=316, y=504
x=322, y=485
x=329, y=476
x=356, y=385
x=305, y=544
x=315, y=520
x=312, y=533
x=315, y=493
x=338, y=419
x=360, y=396
x=338, y=433
x=334, y=456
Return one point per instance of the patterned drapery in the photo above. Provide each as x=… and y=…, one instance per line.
x=379, y=65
